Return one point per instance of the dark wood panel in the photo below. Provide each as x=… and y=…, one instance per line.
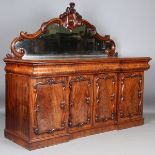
x=17, y=105
x=80, y=102
x=105, y=95
x=51, y=106
x=131, y=95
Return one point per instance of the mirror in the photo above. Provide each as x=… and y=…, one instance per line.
x=60, y=41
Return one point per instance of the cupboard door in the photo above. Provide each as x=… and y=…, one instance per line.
x=105, y=95
x=80, y=102
x=130, y=95
x=51, y=106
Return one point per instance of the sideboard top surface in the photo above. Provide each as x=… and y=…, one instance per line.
x=80, y=60
x=76, y=66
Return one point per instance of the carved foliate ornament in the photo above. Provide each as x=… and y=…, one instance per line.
x=51, y=83
x=71, y=19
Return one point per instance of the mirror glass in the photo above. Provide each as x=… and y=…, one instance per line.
x=59, y=41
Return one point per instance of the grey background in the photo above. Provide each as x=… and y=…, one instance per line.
x=131, y=23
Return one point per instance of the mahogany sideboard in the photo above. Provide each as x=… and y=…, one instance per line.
x=52, y=99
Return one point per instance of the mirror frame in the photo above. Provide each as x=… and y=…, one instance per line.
x=70, y=19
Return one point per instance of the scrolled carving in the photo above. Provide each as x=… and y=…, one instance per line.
x=123, y=77
x=86, y=100
x=71, y=19
x=111, y=51
x=121, y=114
x=78, y=79
x=113, y=115
x=70, y=124
x=19, y=53
x=42, y=29
x=37, y=109
x=122, y=95
x=98, y=116
x=62, y=105
x=130, y=115
x=51, y=82
x=112, y=96
x=50, y=131
x=36, y=131
x=102, y=119
x=140, y=96
x=89, y=83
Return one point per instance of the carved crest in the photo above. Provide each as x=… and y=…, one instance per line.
x=70, y=19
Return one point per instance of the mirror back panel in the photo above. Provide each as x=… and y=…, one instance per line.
x=66, y=36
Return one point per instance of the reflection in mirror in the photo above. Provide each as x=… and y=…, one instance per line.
x=60, y=41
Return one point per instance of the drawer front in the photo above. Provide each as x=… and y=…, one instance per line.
x=80, y=102
x=51, y=106
x=105, y=96
x=130, y=95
